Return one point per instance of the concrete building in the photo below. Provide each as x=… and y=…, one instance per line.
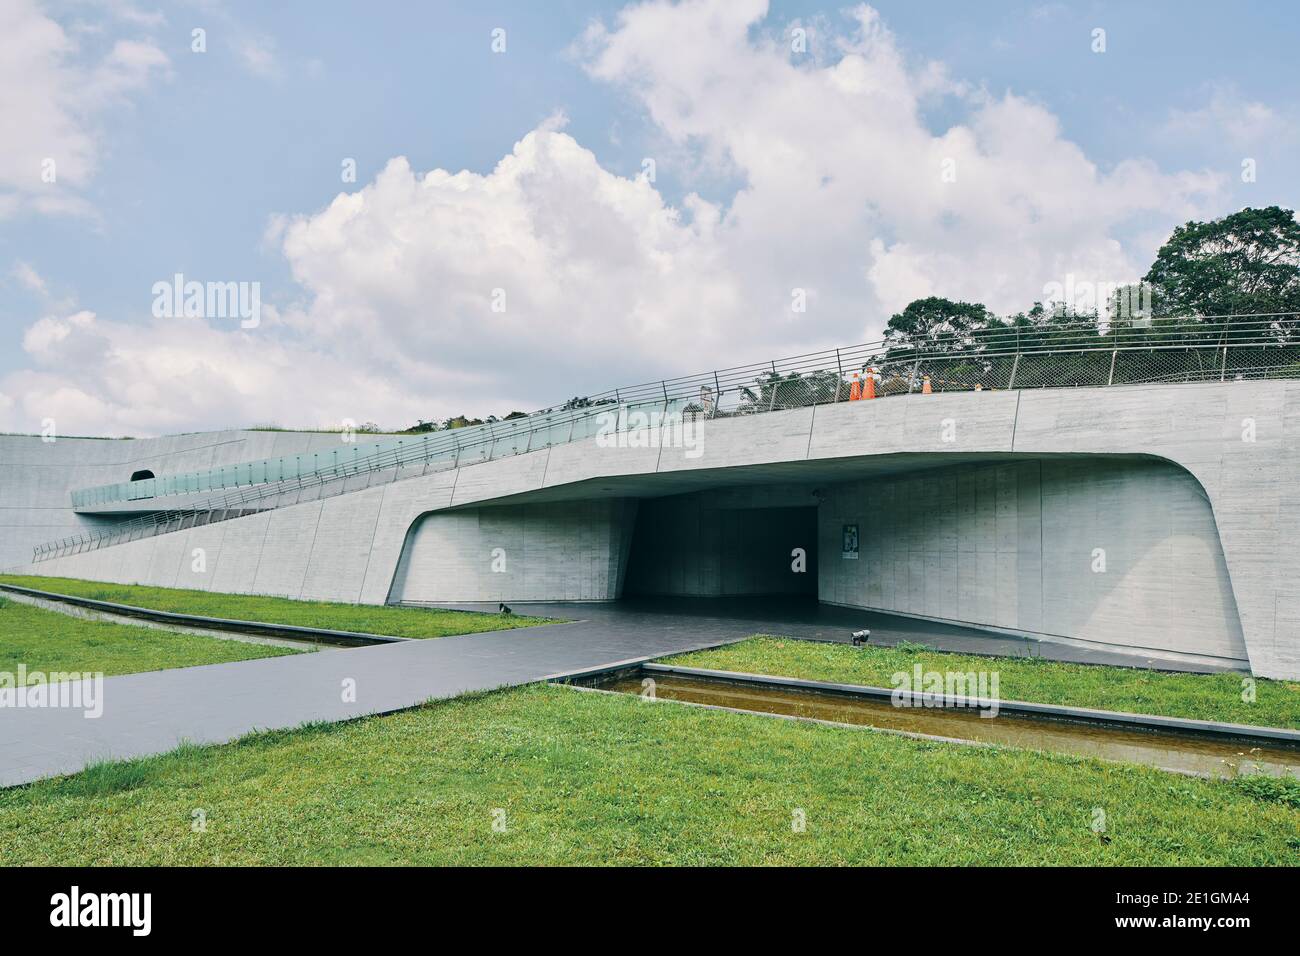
x=1150, y=518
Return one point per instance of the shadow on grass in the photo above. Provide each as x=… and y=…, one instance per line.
x=106, y=778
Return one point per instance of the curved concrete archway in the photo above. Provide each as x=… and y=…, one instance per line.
x=1220, y=539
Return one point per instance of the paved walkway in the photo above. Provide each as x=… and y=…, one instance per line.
x=154, y=712
x=724, y=619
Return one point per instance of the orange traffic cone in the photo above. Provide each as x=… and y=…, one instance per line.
x=855, y=390
x=925, y=385
x=870, y=390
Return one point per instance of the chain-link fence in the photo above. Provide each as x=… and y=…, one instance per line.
x=1164, y=351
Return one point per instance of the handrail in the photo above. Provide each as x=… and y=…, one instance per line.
x=1008, y=357
x=428, y=449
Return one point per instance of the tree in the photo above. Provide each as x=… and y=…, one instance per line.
x=456, y=421
x=1248, y=262
x=460, y=421
x=1131, y=306
x=936, y=324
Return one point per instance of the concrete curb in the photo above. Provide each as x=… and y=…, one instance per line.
x=1111, y=718
x=315, y=634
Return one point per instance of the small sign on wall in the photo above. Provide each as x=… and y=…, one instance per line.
x=849, y=545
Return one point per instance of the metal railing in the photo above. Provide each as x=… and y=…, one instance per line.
x=1212, y=348
x=1206, y=349
x=291, y=467
x=420, y=455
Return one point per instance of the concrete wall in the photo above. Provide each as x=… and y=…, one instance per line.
x=356, y=548
x=568, y=551
x=37, y=477
x=1021, y=545
x=344, y=548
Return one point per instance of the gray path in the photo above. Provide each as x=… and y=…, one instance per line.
x=152, y=713
x=725, y=619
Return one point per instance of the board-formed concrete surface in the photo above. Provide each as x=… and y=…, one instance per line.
x=1212, y=534
x=38, y=475
x=566, y=551
x=1106, y=550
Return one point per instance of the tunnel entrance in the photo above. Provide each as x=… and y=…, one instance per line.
x=688, y=546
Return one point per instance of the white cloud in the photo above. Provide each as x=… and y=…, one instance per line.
x=844, y=180
x=45, y=337
x=132, y=13
x=1228, y=115
x=258, y=56
x=52, y=98
x=30, y=279
x=605, y=282
x=97, y=377
x=595, y=270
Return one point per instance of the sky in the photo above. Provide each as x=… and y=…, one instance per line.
x=433, y=209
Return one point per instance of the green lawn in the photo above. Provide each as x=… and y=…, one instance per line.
x=586, y=778
x=367, y=618
x=48, y=641
x=1200, y=696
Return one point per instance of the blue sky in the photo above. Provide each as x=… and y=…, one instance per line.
x=198, y=162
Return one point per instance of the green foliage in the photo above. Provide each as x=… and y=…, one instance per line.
x=1248, y=262
x=910, y=647
x=983, y=346
x=1283, y=790
x=456, y=421
x=104, y=778
x=934, y=324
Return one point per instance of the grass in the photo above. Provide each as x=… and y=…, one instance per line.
x=1199, y=696
x=48, y=641
x=367, y=618
x=584, y=778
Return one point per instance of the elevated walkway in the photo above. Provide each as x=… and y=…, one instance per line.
x=996, y=359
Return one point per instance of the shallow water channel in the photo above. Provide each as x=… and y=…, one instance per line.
x=1167, y=750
